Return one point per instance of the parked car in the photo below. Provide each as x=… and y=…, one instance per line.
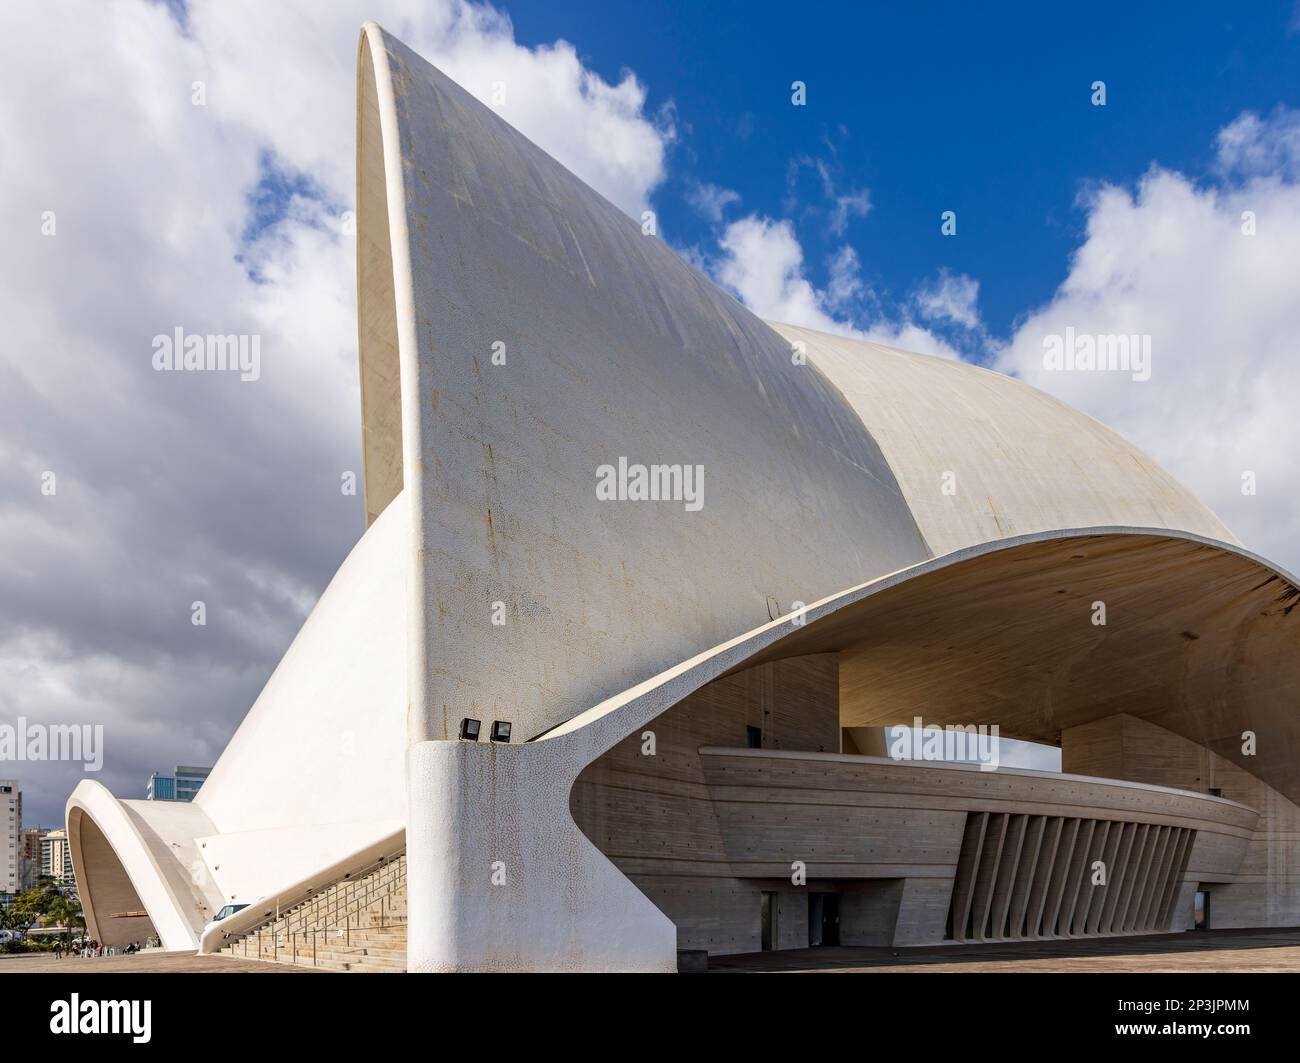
x=237, y=905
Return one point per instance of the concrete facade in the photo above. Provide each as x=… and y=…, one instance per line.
x=517, y=333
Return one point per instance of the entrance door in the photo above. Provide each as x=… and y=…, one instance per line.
x=1201, y=910
x=823, y=919
x=768, y=922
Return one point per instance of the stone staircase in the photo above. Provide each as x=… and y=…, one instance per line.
x=355, y=924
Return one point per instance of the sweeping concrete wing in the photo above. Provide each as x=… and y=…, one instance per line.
x=542, y=335
x=312, y=775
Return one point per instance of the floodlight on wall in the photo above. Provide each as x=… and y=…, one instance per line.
x=500, y=730
x=469, y=730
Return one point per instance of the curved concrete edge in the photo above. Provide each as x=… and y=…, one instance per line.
x=941, y=766
x=238, y=861
x=594, y=731
x=215, y=936
x=375, y=63
x=392, y=232
x=167, y=911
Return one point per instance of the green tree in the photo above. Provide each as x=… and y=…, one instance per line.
x=67, y=911
x=45, y=905
x=10, y=919
x=30, y=905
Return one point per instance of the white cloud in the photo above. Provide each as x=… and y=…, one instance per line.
x=950, y=298
x=763, y=265
x=846, y=284
x=849, y=205
x=1254, y=147
x=173, y=488
x=840, y=207
x=1170, y=259
x=762, y=262
x=301, y=55
x=711, y=200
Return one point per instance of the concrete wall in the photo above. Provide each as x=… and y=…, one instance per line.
x=653, y=816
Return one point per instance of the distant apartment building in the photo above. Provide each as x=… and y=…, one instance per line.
x=29, y=856
x=160, y=788
x=11, y=827
x=56, y=855
x=180, y=786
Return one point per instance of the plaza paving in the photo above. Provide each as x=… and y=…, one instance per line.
x=1207, y=951
x=142, y=962
x=1215, y=950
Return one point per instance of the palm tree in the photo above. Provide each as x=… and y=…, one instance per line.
x=65, y=910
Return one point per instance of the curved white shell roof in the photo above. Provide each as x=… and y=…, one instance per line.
x=1020, y=461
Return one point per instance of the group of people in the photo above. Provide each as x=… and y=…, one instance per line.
x=86, y=948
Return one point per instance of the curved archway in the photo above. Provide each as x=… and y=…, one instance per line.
x=123, y=865
x=115, y=914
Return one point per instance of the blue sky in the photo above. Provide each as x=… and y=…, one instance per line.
x=981, y=109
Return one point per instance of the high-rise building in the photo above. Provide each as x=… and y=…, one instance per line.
x=181, y=786
x=11, y=827
x=29, y=856
x=188, y=781
x=56, y=855
x=160, y=788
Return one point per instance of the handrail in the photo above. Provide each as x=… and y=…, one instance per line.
x=281, y=903
x=341, y=899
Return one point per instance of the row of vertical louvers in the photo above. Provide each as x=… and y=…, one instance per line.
x=1021, y=877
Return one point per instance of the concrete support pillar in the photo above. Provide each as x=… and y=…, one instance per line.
x=502, y=879
x=923, y=911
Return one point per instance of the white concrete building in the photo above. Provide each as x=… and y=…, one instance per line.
x=56, y=855
x=11, y=829
x=588, y=727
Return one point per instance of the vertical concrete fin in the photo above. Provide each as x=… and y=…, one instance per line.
x=963, y=891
